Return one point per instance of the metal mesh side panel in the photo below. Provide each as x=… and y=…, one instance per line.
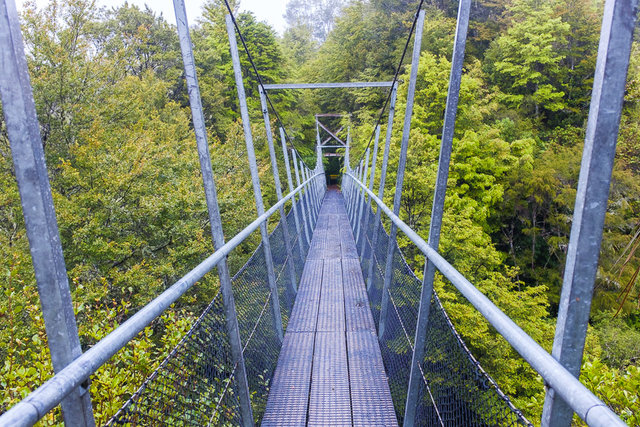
x=299, y=253
x=463, y=393
x=195, y=384
x=368, y=237
x=455, y=390
x=379, y=259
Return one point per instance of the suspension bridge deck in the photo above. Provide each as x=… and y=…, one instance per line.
x=330, y=369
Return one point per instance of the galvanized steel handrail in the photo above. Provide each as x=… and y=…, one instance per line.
x=32, y=408
x=588, y=407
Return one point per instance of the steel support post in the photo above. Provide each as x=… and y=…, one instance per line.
x=437, y=210
x=303, y=200
x=362, y=203
x=354, y=198
x=213, y=209
x=581, y=267
x=345, y=188
x=314, y=193
x=292, y=284
x=320, y=166
x=310, y=195
x=305, y=195
x=347, y=169
x=319, y=192
x=255, y=178
x=367, y=213
x=294, y=204
x=383, y=177
x=320, y=183
x=358, y=200
x=38, y=210
x=384, y=303
x=347, y=160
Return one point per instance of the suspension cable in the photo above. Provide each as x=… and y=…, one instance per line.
x=258, y=77
x=395, y=80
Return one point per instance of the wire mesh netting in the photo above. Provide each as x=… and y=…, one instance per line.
x=196, y=385
x=455, y=390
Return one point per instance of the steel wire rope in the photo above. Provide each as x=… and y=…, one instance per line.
x=395, y=80
x=288, y=139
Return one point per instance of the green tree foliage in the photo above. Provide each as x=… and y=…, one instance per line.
x=139, y=39
x=481, y=162
x=317, y=16
x=213, y=59
x=126, y=185
x=525, y=62
x=114, y=116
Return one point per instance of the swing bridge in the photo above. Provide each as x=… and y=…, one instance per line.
x=326, y=324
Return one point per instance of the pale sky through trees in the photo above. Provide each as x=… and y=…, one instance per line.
x=271, y=11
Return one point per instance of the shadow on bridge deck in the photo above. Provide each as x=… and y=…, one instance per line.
x=330, y=369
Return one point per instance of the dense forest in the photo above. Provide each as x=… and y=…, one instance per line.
x=116, y=128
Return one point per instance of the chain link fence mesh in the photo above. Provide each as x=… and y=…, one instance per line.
x=195, y=385
x=455, y=390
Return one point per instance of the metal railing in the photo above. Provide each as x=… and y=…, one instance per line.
x=561, y=368
x=591, y=409
x=69, y=386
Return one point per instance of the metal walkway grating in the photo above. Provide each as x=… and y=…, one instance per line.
x=330, y=370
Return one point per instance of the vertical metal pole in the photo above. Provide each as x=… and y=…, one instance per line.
x=319, y=169
x=347, y=160
x=316, y=186
x=319, y=164
x=352, y=194
x=356, y=196
x=303, y=200
x=362, y=200
x=437, y=209
x=292, y=283
x=581, y=266
x=372, y=177
x=294, y=204
x=320, y=183
x=383, y=177
x=309, y=195
x=38, y=210
x=255, y=178
x=360, y=193
x=346, y=182
x=213, y=209
x=384, y=304
x=303, y=197
x=312, y=193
